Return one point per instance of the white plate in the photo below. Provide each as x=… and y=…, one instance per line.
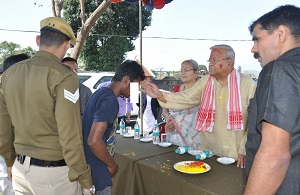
x=194, y=152
x=225, y=160
x=128, y=135
x=146, y=139
x=164, y=144
x=118, y=131
x=185, y=167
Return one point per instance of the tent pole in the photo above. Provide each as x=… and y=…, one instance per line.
x=141, y=61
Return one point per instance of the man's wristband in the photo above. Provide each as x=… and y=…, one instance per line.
x=92, y=191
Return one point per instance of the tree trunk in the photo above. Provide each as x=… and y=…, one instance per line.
x=82, y=10
x=86, y=27
x=57, y=6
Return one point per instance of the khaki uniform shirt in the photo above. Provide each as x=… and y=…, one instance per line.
x=39, y=97
x=222, y=141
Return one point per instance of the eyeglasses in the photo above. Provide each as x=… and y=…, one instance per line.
x=214, y=60
x=186, y=70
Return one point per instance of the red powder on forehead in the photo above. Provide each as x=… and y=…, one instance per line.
x=221, y=66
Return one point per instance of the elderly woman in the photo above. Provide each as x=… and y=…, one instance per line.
x=180, y=124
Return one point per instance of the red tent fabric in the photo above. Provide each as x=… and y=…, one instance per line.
x=149, y=4
x=158, y=4
x=131, y=1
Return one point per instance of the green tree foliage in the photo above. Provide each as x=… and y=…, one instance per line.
x=9, y=48
x=28, y=50
x=202, y=67
x=112, y=35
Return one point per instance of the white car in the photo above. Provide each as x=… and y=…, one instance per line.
x=93, y=79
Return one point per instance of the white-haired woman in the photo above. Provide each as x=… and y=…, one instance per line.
x=180, y=124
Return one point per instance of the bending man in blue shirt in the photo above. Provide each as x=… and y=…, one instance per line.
x=125, y=107
x=99, y=124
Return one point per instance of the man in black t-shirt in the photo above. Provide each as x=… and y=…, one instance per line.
x=273, y=146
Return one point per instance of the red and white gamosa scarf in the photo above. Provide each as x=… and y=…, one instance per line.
x=206, y=114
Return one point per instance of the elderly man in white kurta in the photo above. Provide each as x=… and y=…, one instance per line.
x=223, y=97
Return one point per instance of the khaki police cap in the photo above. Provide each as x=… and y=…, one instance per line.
x=59, y=24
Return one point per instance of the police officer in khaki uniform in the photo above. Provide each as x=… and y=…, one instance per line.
x=39, y=98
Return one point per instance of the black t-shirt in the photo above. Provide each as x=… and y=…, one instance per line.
x=277, y=101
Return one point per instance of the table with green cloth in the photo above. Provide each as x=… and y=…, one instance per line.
x=127, y=152
x=147, y=169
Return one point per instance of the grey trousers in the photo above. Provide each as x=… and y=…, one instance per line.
x=105, y=191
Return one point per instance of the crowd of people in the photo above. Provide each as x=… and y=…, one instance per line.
x=56, y=137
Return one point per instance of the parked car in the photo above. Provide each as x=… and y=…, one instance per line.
x=93, y=79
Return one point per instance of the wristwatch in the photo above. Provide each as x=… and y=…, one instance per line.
x=92, y=191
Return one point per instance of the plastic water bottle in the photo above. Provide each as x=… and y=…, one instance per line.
x=155, y=134
x=122, y=127
x=6, y=185
x=209, y=153
x=181, y=150
x=137, y=130
x=201, y=155
x=205, y=154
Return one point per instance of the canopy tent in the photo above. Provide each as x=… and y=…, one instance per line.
x=149, y=4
